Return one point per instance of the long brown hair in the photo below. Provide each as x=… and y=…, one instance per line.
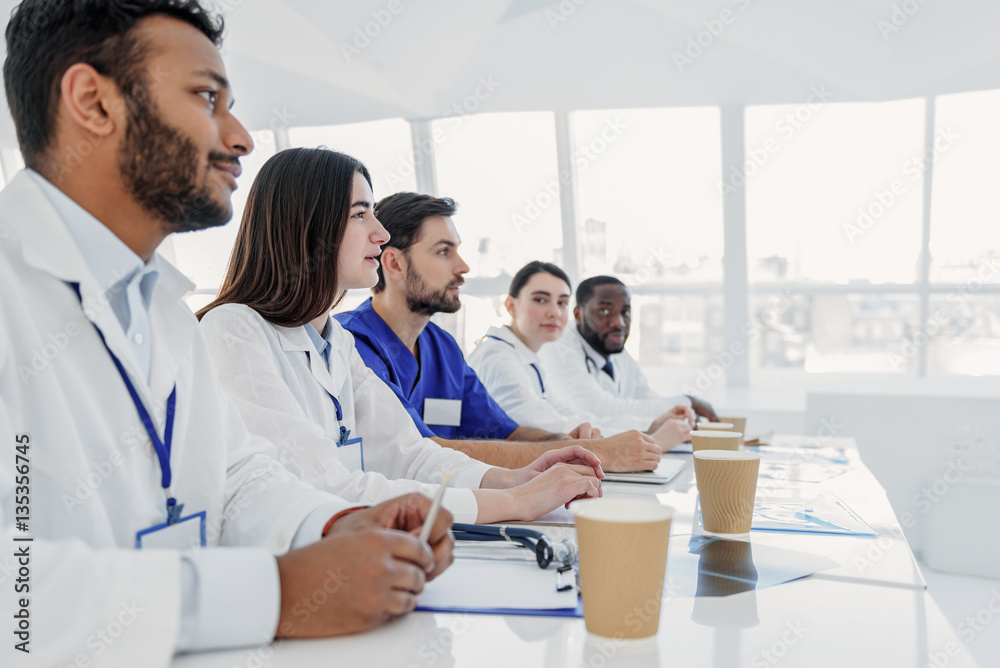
x=284, y=262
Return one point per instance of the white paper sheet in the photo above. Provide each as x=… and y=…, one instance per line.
x=475, y=583
x=664, y=473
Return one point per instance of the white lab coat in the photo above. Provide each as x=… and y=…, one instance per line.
x=94, y=479
x=284, y=396
x=505, y=369
x=574, y=371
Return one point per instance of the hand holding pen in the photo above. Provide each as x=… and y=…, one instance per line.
x=409, y=513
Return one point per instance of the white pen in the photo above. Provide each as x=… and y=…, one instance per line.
x=432, y=514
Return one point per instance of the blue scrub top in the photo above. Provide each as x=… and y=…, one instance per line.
x=441, y=374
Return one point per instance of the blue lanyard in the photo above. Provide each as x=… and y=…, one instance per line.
x=345, y=433
x=163, y=446
x=533, y=366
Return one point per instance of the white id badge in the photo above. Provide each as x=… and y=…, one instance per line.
x=186, y=533
x=352, y=454
x=443, y=412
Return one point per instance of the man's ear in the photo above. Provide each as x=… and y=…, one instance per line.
x=393, y=264
x=576, y=315
x=91, y=102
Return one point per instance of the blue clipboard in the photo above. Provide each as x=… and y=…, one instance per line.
x=555, y=612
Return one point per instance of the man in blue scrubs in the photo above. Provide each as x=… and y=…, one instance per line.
x=420, y=274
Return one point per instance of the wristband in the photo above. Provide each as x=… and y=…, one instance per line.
x=336, y=517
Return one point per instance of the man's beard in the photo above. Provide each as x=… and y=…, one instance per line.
x=421, y=300
x=591, y=336
x=159, y=166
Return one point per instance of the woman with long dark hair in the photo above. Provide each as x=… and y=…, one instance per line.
x=308, y=234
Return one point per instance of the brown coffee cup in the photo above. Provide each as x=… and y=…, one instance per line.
x=739, y=424
x=723, y=425
x=715, y=440
x=623, y=560
x=727, y=484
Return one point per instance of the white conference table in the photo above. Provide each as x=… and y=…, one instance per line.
x=871, y=610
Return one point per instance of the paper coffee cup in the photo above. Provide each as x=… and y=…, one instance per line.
x=724, y=425
x=739, y=424
x=623, y=561
x=715, y=440
x=727, y=484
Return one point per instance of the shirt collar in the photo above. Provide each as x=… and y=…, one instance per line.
x=507, y=335
x=110, y=261
x=321, y=342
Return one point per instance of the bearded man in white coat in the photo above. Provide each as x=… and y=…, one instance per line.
x=124, y=465
x=589, y=369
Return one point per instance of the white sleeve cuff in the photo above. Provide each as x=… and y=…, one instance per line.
x=311, y=529
x=462, y=505
x=471, y=477
x=231, y=598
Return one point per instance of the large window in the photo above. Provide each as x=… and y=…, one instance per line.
x=503, y=172
x=963, y=324
x=834, y=197
x=649, y=210
x=965, y=211
x=846, y=271
x=384, y=147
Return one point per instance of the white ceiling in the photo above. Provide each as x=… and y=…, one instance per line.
x=287, y=66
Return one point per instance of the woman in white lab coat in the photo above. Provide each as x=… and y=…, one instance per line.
x=308, y=234
x=507, y=362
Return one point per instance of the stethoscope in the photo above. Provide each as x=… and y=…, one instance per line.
x=546, y=551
